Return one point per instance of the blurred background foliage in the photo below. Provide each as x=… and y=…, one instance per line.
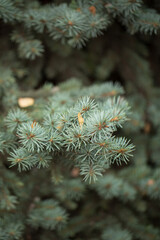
x=128, y=196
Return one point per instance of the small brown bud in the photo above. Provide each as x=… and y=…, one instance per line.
x=147, y=128
x=150, y=182
x=75, y=172
x=92, y=9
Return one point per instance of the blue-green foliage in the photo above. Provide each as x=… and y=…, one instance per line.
x=112, y=187
x=73, y=23
x=92, y=141
x=73, y=133
x=47, y=214
x=73, y=136
x=117, y=233
x=12, y=230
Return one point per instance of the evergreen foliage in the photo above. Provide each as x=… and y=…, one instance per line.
x=80, y=158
